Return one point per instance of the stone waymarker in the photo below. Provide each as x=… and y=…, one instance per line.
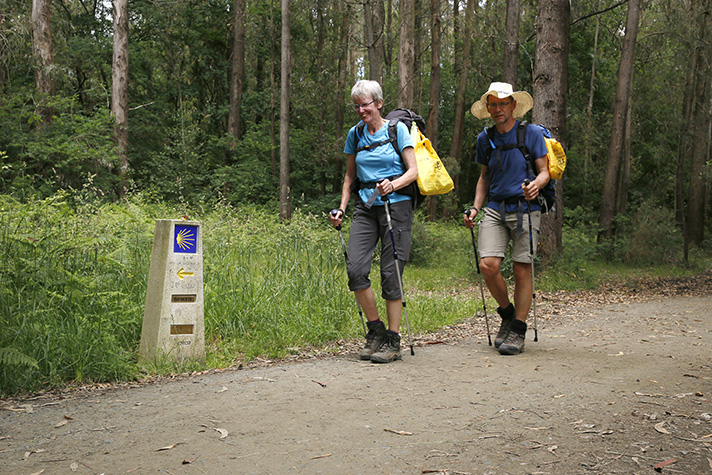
x=173, y=323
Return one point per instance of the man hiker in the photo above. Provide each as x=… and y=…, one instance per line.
x=507, y=183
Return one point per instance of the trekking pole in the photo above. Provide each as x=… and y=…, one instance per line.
x=346, y=257
x=400, y=281
x=479, y=275
x=531, y=253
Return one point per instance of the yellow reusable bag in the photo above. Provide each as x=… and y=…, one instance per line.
x=557, y=158
x=433, y=178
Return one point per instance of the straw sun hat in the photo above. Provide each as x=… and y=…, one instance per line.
x=502, y=90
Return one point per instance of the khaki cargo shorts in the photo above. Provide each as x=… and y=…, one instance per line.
x=494, y=236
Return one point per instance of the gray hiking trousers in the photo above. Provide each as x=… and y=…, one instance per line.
x=367, y=227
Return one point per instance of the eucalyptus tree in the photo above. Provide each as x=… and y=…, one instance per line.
x=550, y=93
x=621, y=104
x=460, y=107
x=406, y=54
x=511, y=47
x=237, y=73
x=695, y=218
x=120, y=84
x=285, y=207
x=43, y=53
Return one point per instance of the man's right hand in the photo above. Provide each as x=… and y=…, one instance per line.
x=470, y=215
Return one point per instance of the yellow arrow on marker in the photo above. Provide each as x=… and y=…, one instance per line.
x=183, y=273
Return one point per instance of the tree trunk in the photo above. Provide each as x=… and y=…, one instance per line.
x=589, y=109
x=695, y=219
x=434, y=101
x=237, y=77
x=120, y=85
x=511, y=48
x=684, y=145
x=285, y=207
x=42, y=52
x=406, y=55
x=460, y=106
x=373, y=30
x=625, y=72
x=550, y=88
x=272, y=93
x=624, y=174
x=340, y=109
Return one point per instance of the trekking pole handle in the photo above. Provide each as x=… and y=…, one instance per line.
x=468, y=210
x=333, y=213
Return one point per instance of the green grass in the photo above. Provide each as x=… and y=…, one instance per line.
x=73, y=279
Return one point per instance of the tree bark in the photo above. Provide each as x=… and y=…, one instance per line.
x=42, y=51
x=285, y=207
x=237, y=78
x=434, y=101
x=589, y=109
x=120, y=85
x=695, y=221
x=406, y=55
x=625, y=72
x=340, y=108
x=373, y=30
x=550, y=89
x=460, y=106
x=511, y=48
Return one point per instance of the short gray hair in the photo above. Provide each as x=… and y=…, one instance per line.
x=367, y=88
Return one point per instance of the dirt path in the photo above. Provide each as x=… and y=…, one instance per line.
x=619, y=388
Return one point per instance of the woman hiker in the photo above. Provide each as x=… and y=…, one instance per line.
x=375, y=172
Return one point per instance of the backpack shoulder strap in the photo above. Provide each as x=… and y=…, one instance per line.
x=490, y=143
x=522, y=138
x=391, y=134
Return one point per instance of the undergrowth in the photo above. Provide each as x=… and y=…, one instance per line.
x=74, y=269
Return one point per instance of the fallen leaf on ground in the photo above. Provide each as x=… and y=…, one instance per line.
x=39, y=473
x=659, y=427
x=399, y=432
x=186, y=462
x=60, y=424
x=659, y=467
x=321, y=456
x=222, y=390
x=167, y=447
x=74, y=466
x=319, y=383
x=223, y=433
x=538, y=428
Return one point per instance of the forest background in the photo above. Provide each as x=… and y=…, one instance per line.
x=235, y=113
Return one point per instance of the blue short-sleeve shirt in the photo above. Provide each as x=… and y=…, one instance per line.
x=508, y=168
x=381, y=162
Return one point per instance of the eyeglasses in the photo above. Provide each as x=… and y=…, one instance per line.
x=498, y=105
x=364, y=105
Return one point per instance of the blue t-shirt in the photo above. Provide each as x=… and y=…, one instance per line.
x=381, y=162
x=508, y=168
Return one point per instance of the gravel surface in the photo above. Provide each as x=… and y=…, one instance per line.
x=620, y=381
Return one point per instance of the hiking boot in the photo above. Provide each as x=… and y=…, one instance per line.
x=389, y=350
x=375, y=337
x=514, y=343
x=507, y=315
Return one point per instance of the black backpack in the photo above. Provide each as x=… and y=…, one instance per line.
x=548, y=193
x=406, y=116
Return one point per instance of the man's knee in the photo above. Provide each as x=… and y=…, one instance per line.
x=490, y=265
